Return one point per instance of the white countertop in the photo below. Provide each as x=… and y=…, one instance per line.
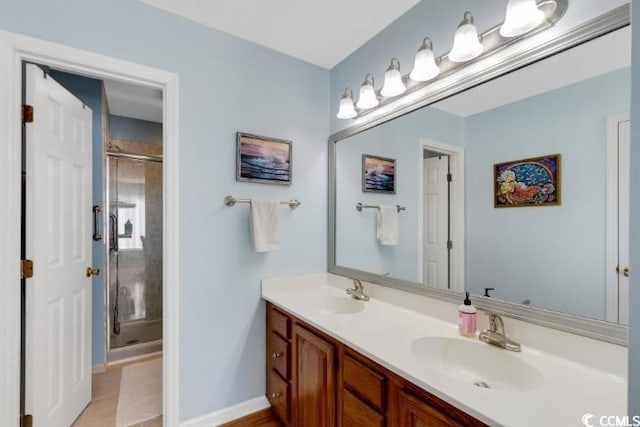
x=580, y=375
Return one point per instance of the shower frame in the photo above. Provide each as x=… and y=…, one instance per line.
x=133, y=350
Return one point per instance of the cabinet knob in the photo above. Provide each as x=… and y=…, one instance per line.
x=277, y=355
x=276, y=395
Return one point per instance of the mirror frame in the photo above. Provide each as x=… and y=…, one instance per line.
x=592, y=328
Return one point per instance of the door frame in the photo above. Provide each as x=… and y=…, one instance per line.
x=612, y=232
x=456, y=155
x=14, y=50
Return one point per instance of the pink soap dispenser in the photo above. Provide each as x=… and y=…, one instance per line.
x=467, y=314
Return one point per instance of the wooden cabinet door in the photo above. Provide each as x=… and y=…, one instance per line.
x=356, y=413
x=416, y=413
x=314, y=382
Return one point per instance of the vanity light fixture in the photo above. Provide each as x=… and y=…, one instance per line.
x=522, y=17
x=368, y=97
x=347, y=110
x=393, y=84
x=466, y=44
x=425, y=67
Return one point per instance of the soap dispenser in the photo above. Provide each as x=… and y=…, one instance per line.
x=467, y=315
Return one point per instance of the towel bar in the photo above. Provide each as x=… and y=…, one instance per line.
x=361, y=206
x=231, y=201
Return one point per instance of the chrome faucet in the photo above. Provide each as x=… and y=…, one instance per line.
x=358, y=291
x=496, y=335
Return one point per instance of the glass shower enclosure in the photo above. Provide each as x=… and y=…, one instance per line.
x=134, y=295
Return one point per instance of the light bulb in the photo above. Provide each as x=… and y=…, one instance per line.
x=522, y=17
x=368, y=98
x=393, y=84
x=466, y=45
x=347, y=110
x=425, y=67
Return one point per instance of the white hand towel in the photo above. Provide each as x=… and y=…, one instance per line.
x=264, y=225
x=388, y=225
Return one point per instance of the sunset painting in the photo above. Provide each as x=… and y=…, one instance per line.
x=378, y=174
x=264, y=160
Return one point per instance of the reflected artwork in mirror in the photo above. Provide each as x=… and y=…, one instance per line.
x=459, y=162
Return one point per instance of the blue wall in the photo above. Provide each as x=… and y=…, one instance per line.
x=130, y=129
x=226, y=85
x=89, y=91
x=634, y=286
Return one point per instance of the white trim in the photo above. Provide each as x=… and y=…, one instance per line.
x=612, y=203
x=457, y=210
x=228, y=414
x=14, y=49
x=10, y=158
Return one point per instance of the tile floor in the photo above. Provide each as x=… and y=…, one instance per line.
x=101, y=412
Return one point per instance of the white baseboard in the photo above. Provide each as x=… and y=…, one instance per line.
x=228, y=414
x=96, y=369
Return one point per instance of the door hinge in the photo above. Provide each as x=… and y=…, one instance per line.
x=449, y=177
x=27, y=113
x=27, y=421
x=26, y=269
x=449, y=244
x=626, y=272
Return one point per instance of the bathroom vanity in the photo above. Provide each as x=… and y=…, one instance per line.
x=397, y=360
x=315, y=380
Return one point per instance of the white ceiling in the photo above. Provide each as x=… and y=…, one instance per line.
x=136, y=102
x=600, y=56
x=322, y=32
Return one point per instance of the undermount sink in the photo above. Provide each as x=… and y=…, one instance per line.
x=340, y=305
x=477, y=364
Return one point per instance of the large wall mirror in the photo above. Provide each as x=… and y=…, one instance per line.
x=517, y=188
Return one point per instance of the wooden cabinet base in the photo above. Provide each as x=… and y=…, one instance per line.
x=328, y=384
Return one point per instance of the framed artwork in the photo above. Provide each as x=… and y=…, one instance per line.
x=527, y=182
x=378, y=174
x=264, y=160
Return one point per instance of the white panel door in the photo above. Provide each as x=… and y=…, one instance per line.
x=436, y=222
x=624, y=151
x=58, y=240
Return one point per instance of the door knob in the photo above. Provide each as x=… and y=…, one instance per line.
x=92, y=271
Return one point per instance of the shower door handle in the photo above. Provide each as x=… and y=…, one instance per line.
x=96, y=234
x=113, y=219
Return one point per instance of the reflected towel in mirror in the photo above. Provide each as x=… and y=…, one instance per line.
x=264, y=225
x=387, y=225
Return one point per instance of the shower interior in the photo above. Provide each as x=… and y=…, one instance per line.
x=134, y=251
